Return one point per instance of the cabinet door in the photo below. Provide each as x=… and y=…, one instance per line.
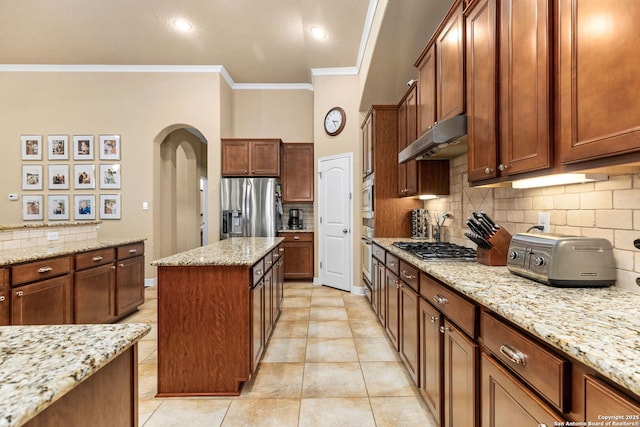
x=431, y=347
x=601, y=399
x=411, y=135
x=129, y=285
x=298, y=262
x=482, y=156
x=367, y=146
x=269, y=297
x=599, y=63
x=525, y=86
x=402, y=144
x=409, y=341
x=506, y=402
x=297, y=173
x=94, y=294
x=235, y=158
x=450, y=67
x=47, y=302
x=381, y=279
x=265, y=158
x=257, y=324
x=460, y=378
x=393, y=306
x=5, y=318
x=427, y=90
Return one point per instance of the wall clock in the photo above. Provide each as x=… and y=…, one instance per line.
x=334, y=121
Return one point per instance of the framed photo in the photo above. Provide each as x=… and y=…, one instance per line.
x=31, y=147
x=58, y=177
x=84, y=206
x=110, y=206
x=32, y=177
x=109, y=147
x=83, y=147
x=58, y=147
x=84, y=177
x=58, y=207
x=110, y=176
x=32, y=207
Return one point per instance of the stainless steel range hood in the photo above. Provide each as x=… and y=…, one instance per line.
x=444, y=140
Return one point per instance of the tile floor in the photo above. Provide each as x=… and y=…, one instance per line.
x=328, y=363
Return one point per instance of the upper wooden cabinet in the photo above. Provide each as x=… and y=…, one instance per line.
x=598, y=65
x=258, y=157
x=441, y=72
x=367, y=146
x=297, y=172
x=515, y=82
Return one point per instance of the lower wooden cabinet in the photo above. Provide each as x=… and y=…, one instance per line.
x=47, y=302
x=94, y=294
x=298, y=263
x=506, y=402
x=431, y=342
x=257, y=324
x=392, y=288
x=600, y=399
x=4, y=297
x=409, y=338
x=129, y=285
x=460, y=378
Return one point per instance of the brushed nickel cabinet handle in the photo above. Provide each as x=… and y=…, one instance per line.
x=513, y=354
x=433, y=319
x=133, y=251
x=444, y=329
x=96, y=258
x=440, y=300
x=45, y=269
x=113, y=267
x=296, y=237
x=121, y=264
x=19, y=293
x=407, y=276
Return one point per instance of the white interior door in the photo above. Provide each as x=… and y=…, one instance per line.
x=335, y=208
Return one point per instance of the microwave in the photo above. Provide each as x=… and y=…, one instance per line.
x=367, y=197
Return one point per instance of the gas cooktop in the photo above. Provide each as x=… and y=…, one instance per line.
x=432, y=251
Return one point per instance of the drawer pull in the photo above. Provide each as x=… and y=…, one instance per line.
x=45, y=269
x=268, y=262
x=133, y=251
x=444, y=329
x=281, y=249
x=296, y=237
x=258, y=273
x=19, y=293
x=121, y=264
x=407, y=275
x=113, y=267
x=392, y=264
x=2, y=298
x=439, y=299
x=96, y=258
x=513, y=354
x=433, y=319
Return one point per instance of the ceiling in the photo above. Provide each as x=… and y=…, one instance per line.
x=256, y=41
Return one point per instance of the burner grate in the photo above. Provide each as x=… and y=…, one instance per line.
x=430, y=251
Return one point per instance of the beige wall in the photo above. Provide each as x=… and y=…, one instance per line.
x=604, y=209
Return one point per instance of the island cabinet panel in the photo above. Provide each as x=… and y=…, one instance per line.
x=4, y=297
x=203, y=330
x=107, y=398
x=257, y=324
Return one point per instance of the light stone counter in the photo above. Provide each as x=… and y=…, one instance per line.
x=40, y=364
x=599, y=327
x=233, y=251
x=36, y=253
x=300, y=230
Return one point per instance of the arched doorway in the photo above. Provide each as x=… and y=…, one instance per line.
x=179, y=200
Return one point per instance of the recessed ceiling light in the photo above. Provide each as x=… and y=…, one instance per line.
x=318, y=32
x=182, y=25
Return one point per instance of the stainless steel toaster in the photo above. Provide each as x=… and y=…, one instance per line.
x=561, y=260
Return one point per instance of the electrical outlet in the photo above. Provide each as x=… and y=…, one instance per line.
x=52, y=235
x=544, y=219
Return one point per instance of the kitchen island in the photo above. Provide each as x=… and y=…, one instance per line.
x=71, y=375
x=217, y=305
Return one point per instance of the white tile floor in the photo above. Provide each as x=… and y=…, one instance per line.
x=328, y=363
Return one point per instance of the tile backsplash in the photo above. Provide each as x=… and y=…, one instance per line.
x=608, y=209
x=35, y=235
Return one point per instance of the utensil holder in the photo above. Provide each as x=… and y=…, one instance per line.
x=497, y=255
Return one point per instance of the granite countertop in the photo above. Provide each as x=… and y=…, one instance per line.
x=40, y=364
x=233, y=251
x=599, y=327
x=16, y=256
x=56, y=224
x=301, y=230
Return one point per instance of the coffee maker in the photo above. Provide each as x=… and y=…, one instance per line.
x=295, y=219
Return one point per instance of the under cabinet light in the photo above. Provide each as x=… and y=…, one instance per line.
x=559, y=179
x=427, y=196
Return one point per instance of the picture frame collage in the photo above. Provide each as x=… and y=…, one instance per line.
x=96, y=166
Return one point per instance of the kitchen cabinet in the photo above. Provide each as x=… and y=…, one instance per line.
x=598, y=63
x=41, y=292
x=241, y=157
x=519, y=138
x=392, y=290
x=600, y=399
x=506, y=403
x=257, y=324
x=94, y=287
x=431, y=351
x=298, y=262
x=129, y=278
x=278, y=279
x=5, y=312
x=409, y=344
x=269, y=300
x=297, y=173
x=441, y=72
x=367, y=146
x=379, y=298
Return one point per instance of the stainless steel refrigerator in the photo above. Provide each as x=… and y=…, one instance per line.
x=251, y=207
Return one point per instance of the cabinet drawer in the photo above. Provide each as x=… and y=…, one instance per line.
x=545, y=372
x=39, y=270
x=297, y=237
x=458, y=309
x=128, y=251
x=277, y=253
x=409, y=275
x=4, y=279
x=95, y=258
x=393, y=263
x=378, y=252
x=257, y=271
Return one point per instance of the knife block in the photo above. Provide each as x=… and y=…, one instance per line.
x=497, y=255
